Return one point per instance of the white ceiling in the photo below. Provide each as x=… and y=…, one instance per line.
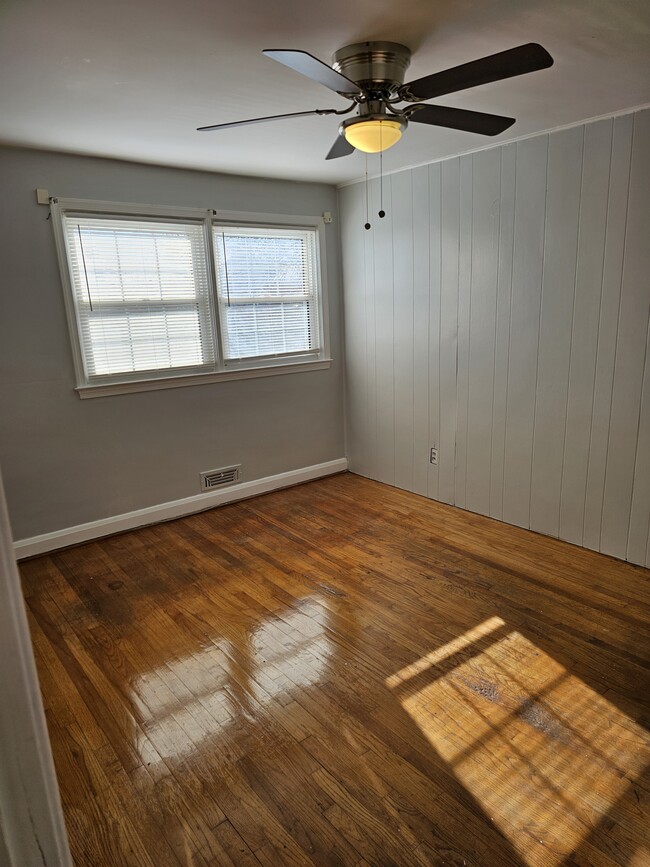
x=133, y=78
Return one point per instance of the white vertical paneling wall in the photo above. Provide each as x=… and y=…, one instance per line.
x=501, y=313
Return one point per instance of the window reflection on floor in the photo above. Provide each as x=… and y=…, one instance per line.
x=232, y=681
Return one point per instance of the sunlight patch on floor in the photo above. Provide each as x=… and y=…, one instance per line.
x=544, y=755
x=449, y=649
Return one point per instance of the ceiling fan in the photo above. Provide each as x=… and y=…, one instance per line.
x=371, y=76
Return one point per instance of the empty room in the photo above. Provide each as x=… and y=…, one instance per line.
x=325, y=433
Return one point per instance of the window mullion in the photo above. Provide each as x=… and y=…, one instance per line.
x=200, y=253
x=215, y=307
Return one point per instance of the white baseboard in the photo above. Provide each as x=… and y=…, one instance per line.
x=174, y=509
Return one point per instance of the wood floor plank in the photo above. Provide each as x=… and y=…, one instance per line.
x=343, y=673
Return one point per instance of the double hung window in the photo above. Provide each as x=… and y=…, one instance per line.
x=268, y=291
x=171, y=298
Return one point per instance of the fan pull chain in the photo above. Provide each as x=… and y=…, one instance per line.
x=382, y=212
x=367, y=224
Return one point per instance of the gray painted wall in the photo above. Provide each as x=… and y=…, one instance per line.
x=500, y=312
x=66, y=461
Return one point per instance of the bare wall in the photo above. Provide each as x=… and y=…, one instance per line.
x=500, y=312
x=66, y=461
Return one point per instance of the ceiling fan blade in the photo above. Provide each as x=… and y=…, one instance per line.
x=264, y=119
x=459, y=118
x=505, y=64
x=340, y=148
x=312, y=67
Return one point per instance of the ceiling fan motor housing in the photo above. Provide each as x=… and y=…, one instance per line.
x=374, y=66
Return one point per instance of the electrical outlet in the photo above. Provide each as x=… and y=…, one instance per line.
x=433, y=456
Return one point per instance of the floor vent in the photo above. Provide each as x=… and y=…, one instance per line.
x=216, y=478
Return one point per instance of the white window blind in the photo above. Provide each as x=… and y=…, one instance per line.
x=142, y=295
x=268, y=288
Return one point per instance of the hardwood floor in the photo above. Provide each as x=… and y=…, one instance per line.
x=344, y=673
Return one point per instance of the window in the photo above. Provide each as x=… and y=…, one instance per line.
x=141, y=294
x=268, y=291
x=161, y=299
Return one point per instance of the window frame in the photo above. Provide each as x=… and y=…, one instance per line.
x=236, y=220
x=221, y=370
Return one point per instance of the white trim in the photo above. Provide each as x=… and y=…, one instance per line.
x=277, y=221
x=33, y=831
x=174, y=509
x=88, y=391
x=68, y=293
x=93, y=206
x=321, y=259
x=496, y=144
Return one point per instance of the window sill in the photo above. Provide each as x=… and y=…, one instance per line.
x=89, y=391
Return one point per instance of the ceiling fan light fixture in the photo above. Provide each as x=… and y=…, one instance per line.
x=372, y=135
